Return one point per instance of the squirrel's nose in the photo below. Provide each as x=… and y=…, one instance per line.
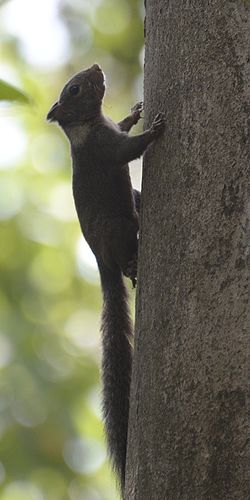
x=96, y=67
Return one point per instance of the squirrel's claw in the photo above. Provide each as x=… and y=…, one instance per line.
x=136, y=111
x=137, y=107
x=158, y=124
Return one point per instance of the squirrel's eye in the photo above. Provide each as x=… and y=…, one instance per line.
x=74, y=89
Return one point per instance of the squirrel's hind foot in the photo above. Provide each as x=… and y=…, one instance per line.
x=131, y=270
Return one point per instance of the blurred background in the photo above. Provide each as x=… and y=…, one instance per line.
x=51, y=436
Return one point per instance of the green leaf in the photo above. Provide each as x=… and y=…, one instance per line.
x=10, y=93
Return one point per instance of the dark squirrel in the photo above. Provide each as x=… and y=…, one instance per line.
x=107, y=209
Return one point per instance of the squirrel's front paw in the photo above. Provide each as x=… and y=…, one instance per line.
x=136, y=111
x=158, y=125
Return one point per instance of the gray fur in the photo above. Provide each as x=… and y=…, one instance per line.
x=107, y=209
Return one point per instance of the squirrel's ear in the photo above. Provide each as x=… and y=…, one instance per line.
x=51, y=116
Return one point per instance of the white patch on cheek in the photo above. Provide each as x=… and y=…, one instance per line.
x=78, y=134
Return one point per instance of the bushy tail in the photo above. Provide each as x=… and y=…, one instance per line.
x=116, y=365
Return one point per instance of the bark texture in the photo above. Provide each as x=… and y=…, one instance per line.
x=188, y=429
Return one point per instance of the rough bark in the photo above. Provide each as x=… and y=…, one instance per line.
x=188, y=424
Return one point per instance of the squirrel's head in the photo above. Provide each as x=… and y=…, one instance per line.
x=80, y=99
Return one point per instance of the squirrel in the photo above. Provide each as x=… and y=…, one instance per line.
x=108, y=209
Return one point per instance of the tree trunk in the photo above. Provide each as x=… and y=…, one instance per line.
x=188, y=418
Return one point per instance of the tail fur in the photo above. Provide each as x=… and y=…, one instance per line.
x=116, y=365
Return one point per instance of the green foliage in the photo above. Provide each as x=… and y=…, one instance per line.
x=10, y=93
x=51, y=435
